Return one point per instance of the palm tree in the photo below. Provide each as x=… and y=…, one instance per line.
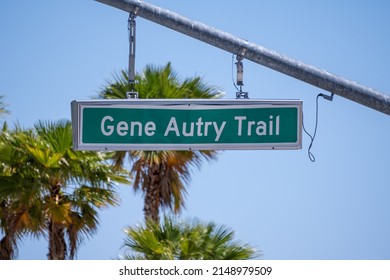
x=2, y=106
x=11, y=196
x=161, y=175
x=175, y=240
x=50, y=189
x=3, y=111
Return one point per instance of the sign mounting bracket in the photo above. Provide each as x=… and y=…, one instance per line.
x=132, y=40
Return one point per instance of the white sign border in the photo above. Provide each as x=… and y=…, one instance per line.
x=77, y=106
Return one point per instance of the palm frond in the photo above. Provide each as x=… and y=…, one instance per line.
x=98, y=197
x=3, y=109
x=173, y=239
x=58, y=135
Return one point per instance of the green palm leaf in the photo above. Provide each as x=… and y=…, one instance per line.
x=184, y=241
x=3, y=109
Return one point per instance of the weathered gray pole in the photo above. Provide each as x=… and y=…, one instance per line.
x=269, y=58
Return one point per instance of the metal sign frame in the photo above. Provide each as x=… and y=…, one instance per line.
x=78, y=108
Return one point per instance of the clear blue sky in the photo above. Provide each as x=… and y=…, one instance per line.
x=52, y=52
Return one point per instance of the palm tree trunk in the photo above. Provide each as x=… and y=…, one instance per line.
x=8, y=242
x=57, y=243
x=153, y=194
x=6, y=248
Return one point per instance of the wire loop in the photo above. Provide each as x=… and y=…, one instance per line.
x=309, y=152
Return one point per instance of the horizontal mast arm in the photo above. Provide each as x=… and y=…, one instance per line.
x=258, y=54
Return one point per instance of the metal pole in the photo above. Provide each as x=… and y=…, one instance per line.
x=258, y=54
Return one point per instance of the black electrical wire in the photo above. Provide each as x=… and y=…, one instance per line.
x=309, y=153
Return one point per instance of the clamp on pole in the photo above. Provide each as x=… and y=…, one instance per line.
x=240, y=78
x=132, y=36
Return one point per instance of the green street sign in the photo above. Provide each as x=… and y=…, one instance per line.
x=186, y=124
